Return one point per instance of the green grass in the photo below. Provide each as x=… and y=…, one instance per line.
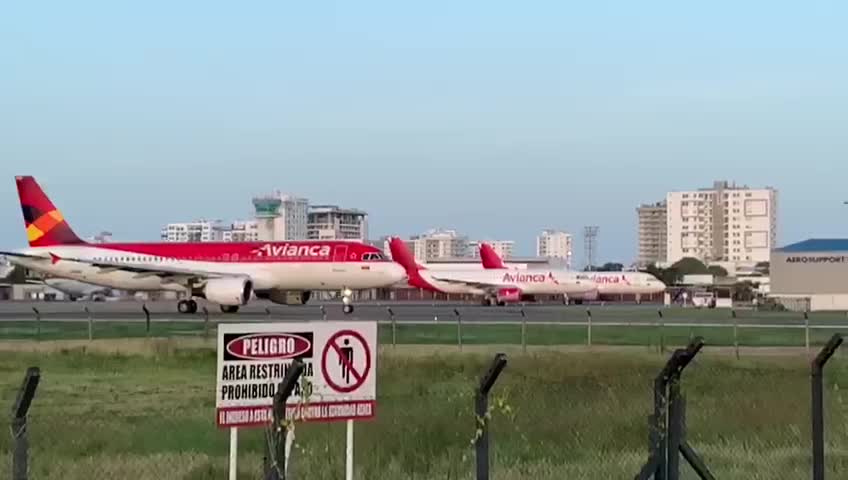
x=570, y=415
x=446, y=333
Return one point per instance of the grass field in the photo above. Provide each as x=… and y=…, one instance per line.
x=149, y=413
x=447, y=333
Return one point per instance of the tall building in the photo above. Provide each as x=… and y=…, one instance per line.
x=329, y=222
x=555, y=244
x=439, y=243
x=726, y=223
x=281, y=216
x=242, y=231
x=503, y=248
x=653, y=233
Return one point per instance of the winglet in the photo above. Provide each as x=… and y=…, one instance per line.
x=489, y=257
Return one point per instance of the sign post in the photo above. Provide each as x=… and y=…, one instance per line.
x=339, y=367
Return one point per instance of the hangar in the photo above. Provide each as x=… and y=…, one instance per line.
x=811, y=275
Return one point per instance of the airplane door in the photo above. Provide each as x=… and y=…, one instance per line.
x=340, y=253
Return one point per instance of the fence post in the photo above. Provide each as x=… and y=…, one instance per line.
x=90, y=324
x=280, y=430
x=146, y=318
x=323, y=312
x=667, y=424
x=481, y=410
x=818, y=404
x=735, y=332
x=589, y=328
x=523, y=331
x=458, y=328
x=662, y=332
x=20, y=457
x=807, y=332
x=37, y=323
x=394, y=327
x=267, y=312
x=205, y=323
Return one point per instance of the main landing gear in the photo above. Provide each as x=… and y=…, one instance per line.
x=229, y=308
x=347, y=308
x=187, y=306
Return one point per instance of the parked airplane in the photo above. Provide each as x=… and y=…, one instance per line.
x=226, y=273
x=76, y=290
x=496, y=287
x=609, y=283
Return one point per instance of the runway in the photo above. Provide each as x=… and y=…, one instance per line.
x=415, y=312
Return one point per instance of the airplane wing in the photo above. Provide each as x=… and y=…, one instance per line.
x=140, y=269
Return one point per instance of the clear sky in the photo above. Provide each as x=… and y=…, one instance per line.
x=491, y=117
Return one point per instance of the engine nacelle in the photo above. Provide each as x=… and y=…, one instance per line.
x=228, y=291
x=509, y=294
x=285, y=297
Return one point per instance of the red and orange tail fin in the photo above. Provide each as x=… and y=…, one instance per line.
x=45, y=225
x=490, y=257
x=402, y=255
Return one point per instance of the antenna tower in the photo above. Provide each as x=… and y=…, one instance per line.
x=590, y=238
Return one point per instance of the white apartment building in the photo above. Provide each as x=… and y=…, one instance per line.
x=281, y=216
x=439, y=243
x=555, y=244
x=725, y=223
x=653, y=233
x=503, y=248
x=196, y=231
x=329, y=222
x=211, y=231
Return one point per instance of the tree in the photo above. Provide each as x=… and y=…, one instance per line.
x=611, y=267
x=743, y=291
x=717, y=271
x=690, y=266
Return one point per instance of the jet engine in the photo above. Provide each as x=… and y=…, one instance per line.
x=228, y=291
x=285, y=297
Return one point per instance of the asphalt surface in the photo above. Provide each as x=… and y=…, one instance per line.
x=414, y=312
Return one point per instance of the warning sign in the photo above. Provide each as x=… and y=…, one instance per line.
x=338, y=381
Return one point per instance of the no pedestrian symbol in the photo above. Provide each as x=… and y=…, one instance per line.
x=346, y=361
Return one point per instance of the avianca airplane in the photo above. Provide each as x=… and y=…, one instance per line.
x=226, y=273
x=609, y=283
x=496, y=287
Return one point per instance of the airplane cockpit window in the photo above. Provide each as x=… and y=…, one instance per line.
x=373, y=257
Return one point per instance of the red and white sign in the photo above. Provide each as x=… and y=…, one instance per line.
x=338, y=381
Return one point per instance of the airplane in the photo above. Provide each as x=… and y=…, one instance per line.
x=609, y=283
x=496, y=287
x=75, y=289
x=225, y=273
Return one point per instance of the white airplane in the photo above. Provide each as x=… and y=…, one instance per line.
x=76, y=290
x=496, y=287
x=609, y=283
x=226, y=273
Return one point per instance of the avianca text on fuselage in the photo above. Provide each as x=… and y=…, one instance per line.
x=529, y=277
x=288, y=250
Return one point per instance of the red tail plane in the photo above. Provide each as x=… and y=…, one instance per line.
x=489, y=257
x=45, y=225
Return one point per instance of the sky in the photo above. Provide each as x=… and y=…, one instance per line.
x=495, y=118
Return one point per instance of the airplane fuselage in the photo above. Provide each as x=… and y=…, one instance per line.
x=529, y=282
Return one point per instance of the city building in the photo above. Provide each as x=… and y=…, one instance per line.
x=196, y=231
x=725, y=223
x=653, y=233
x=435, y=244
x=241, y=231
x=555, y=244
x=281, y=216
x=329, y=222
x=504, y=248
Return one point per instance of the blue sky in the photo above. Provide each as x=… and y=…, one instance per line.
x=494, y=118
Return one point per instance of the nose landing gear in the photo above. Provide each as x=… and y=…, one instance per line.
x=187, y=306
x=347, y=308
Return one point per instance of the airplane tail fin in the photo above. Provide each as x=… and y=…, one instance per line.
x=402, y=255
x=45, y=225
x=489, y=257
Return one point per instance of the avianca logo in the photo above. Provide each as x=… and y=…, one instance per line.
x=610, y=279
x=529, y=277
x=287, y=250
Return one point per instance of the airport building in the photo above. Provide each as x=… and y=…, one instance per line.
x=329, y=222
x=810, y=275
x=555, y=244
x=281, y=216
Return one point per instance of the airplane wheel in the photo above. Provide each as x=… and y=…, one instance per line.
x=184, y=306
x=229, y=308
x=347, y=309
x=192, y=306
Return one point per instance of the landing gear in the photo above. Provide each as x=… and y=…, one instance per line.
x=187, y=306
x=347, y=308
x=229, y=308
